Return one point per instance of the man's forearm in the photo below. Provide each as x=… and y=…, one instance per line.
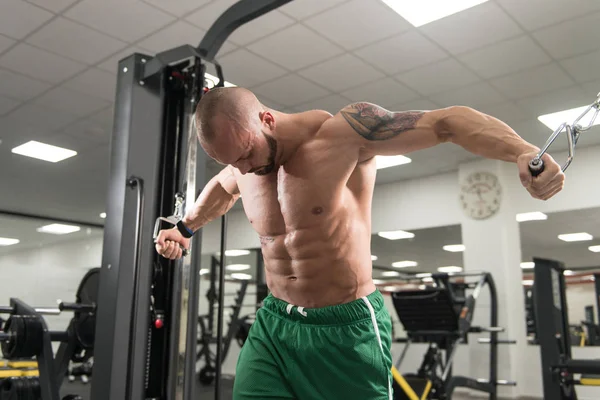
x=212, y=203
x=483, y=135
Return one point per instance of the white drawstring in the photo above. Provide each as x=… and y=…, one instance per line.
x=299, y=309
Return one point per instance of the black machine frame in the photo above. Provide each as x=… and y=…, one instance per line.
x=144, y=328
x=552, y=330
x=458, y=330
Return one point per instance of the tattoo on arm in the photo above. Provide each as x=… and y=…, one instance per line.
x=376, y=123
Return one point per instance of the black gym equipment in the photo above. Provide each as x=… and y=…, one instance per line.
x=441, y=315
x=25, y=336
x=147, y=332
x=559, y=369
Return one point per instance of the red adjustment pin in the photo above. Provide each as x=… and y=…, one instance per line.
x=158, y=323
x=205, y=89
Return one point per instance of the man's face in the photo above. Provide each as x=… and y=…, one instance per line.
x=248, y=151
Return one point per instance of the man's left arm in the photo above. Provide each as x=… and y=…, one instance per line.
x=377, y=131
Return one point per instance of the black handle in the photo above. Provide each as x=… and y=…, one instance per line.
x=536, y=167
x=77, y=307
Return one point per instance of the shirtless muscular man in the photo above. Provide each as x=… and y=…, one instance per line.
x=307, y=183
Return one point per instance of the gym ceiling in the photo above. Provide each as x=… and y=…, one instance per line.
x=514, y=59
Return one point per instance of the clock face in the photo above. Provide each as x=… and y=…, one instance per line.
x=480, y=195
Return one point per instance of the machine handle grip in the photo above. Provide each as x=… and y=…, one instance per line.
x=536, y=166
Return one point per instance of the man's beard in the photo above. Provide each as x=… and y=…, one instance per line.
x=267, y=169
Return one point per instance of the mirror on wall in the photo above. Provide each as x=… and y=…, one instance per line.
x=42, y=261
x=419, y=252
x=573, y=238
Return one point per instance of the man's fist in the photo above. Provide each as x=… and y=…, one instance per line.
x=546, y=184
x=170, y=243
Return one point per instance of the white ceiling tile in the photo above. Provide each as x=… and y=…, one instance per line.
x=111, y=63
x=6, y=105
x=207, y=15
x=89, y=130
x=592, y=89
x=94, y=82
x=101, y=15
x=105, y=116
x=535, y=14
x=39, y=64
x=18, y=18
x=5, y=43
x=290, y=90
x=76, y=143
x=11, y=127
x=174, y=35
x=341, y=73
x=505, y=57
x=71, y=102
x=532, y=82
x=358, y=23
x=332, y=104
x=75, y=41
x=583, y=68
x=295, y=47
x=269, y=103
x=477, y=95
x=260, y=27
x=44, y=119
x=301, y=9
x=437, y=78
x=178, y=7
x=245, y=69
x=385, y=93
x=507, y=112
x=417, y=104
x=557, y=100
x=475, y=27
x=17, y=86
x=570, y=38
x=55, y=6
x=402, y=52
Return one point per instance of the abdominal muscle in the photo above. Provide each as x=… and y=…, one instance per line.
x=323, y=265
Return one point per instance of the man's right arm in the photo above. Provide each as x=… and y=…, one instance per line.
x=217, y=197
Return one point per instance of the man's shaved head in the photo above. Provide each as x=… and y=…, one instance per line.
x=234, y=105
x=234, y=128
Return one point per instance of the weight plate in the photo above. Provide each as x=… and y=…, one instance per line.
x=85, y=322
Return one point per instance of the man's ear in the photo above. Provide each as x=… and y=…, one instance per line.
x=267, y=118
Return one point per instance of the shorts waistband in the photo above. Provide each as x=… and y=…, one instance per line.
x=331, y=315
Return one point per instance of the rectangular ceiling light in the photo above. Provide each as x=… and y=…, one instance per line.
x=454, y=248
x=58, y=229
x=378, y=281
x=421, y=12
x=450, y=269
x=527, y=265
x=237, y=267
x=391, y=161
x=576, y=237
x=373, y=258
x=404, y=264
x=103, y=215
x=43, y=151
x=531, y=216
x=595, y=249
x=527, y=282
x=236, y=253
x=554, y=120
x=396, y=235
x=390, y=273
x=568, y=272
x=8, y=241
x=204, y=271
x=241, y=276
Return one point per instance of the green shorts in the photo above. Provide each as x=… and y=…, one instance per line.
x=336, y=352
